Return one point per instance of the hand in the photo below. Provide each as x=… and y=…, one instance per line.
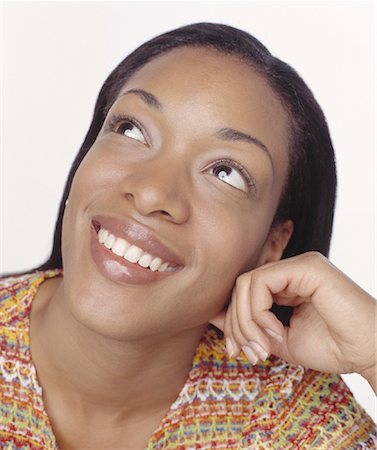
x=333, y=326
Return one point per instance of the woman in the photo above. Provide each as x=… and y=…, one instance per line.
x=207, y=161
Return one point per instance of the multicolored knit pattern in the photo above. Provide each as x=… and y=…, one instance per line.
x=23, y=421
x=224, y=404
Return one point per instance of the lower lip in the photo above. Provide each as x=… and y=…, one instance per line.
x=118, y=269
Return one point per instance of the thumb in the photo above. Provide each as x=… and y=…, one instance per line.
x=280, y=348
x=219, y=320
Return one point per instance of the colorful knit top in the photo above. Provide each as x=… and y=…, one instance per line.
x=224, y=404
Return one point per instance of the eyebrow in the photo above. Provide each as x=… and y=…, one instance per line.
x=225, y=134
x=229, y=134
x=147, y=97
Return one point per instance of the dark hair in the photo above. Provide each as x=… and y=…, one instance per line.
x=309, y=196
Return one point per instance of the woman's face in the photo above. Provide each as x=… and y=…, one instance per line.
x=189, y=166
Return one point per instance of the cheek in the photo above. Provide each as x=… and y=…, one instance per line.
x=227, y=247
x=94, y=176
x=233, y=237
x=97, y=172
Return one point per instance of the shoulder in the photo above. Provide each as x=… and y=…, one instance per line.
x=286, y=405
x=24, y=423
x=15, y=295
x=17, y=292
x=309, y=409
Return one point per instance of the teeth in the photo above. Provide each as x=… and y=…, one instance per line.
x=109, y=241
x=102, y=235
x=145, y=260
x=132, y=253
x=163, y=267
x=155, y=264
x=120, y=247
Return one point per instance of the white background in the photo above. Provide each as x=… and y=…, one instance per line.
x=56, y=55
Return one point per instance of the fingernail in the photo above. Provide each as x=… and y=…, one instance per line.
x=274, y=335
x=229, y=347
x=259, y=350
x=251, y=356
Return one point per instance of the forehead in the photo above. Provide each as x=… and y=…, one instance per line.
x=201, y=88
x=206, y=71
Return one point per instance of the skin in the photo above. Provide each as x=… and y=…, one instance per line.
x=112, y=358
x=333, y=327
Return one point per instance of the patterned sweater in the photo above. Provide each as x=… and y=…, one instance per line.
x=224, y=404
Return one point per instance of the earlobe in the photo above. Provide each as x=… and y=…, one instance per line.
x=276, y=242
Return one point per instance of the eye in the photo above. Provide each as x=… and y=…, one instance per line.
x=233, y=174
x=127, y=127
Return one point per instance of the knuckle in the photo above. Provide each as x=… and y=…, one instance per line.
x=256, y=275
x=319, y=261
x=243, y=278
x=316, y=256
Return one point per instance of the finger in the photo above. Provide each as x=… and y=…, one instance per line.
x=238, y=337
x=293, y=278
x=281, y=299
x=230, y=343
x=252, y=333
x=280, y=348
x=253, y=308
x=260, y=302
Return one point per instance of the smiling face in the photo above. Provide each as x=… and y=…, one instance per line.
x=188, y=168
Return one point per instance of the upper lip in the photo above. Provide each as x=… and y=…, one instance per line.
x=138, y=235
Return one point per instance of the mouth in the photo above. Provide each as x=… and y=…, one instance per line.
x=131, y=252
x=128, y=253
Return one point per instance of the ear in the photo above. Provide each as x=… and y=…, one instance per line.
x=276, y=242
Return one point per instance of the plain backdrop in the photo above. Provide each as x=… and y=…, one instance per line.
x=55, y=56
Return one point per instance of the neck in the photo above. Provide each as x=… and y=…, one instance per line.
x=94, y=373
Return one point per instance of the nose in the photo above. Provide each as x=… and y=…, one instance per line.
x=159, y=187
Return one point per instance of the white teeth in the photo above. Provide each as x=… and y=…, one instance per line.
x=102, y=235
x=109, y=241
x=133, y=254
x=145, y=260
x=163, y=267
x=155, y=264
x=120, y=247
